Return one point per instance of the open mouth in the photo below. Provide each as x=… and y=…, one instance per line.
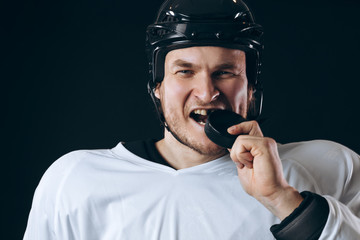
x=201, y=115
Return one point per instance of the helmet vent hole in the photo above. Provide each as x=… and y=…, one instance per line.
x=161, y=32
x=169, y=18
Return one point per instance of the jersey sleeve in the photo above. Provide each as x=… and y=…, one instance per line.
x=41, y=219
x=335, y=170
x=344, y=215
x=306, y=222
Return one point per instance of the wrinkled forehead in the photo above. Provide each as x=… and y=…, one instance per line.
x=205, y=55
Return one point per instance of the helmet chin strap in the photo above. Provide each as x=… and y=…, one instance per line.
x=173, y=134
x=160, y=114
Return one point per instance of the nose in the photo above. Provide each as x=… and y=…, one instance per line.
x=205, y=89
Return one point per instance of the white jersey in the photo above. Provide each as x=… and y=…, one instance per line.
x=114, y=194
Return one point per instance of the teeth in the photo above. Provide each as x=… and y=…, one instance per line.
x=201, y=112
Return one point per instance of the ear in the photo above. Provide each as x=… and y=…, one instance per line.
x=251, y=102
x=157, y=90
x=255, y=97
x=250, y=93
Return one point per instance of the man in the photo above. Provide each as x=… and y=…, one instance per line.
x=204, y=55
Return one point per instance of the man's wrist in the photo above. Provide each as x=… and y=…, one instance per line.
x=283, y=203
x=306, y=222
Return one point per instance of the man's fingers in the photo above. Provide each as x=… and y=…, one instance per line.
x=242, y=159
x=246, y=148
x=246, y=128
x=239, y=165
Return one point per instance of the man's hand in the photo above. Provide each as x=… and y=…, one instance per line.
x=260, y=170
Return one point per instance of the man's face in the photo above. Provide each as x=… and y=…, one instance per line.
x=196, y=81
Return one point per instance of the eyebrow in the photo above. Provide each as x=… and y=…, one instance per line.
x=227, y=65
x=182, y=63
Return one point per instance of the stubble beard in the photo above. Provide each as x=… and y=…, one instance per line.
x=182, y=135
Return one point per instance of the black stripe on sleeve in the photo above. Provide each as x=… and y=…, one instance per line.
x=306, y=222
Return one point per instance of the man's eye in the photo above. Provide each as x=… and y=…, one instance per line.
x=184, y=72
x=223, y=74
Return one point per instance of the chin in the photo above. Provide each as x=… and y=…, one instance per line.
x=210, y=150
x=202, y=144
x=192, y=134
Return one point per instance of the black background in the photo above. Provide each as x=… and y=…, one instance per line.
x=74, y=73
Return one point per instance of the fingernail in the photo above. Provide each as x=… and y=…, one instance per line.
x=239, y=165
x=231, y=129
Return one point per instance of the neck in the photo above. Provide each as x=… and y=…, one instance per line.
x=181, y=156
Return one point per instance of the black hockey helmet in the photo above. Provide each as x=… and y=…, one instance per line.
x=188, y=23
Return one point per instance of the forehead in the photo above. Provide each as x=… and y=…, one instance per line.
x=206, y=55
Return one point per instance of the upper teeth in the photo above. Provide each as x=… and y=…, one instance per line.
x=201, y=112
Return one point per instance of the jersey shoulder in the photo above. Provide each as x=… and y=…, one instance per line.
x=69, y=165
x=329, y=165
